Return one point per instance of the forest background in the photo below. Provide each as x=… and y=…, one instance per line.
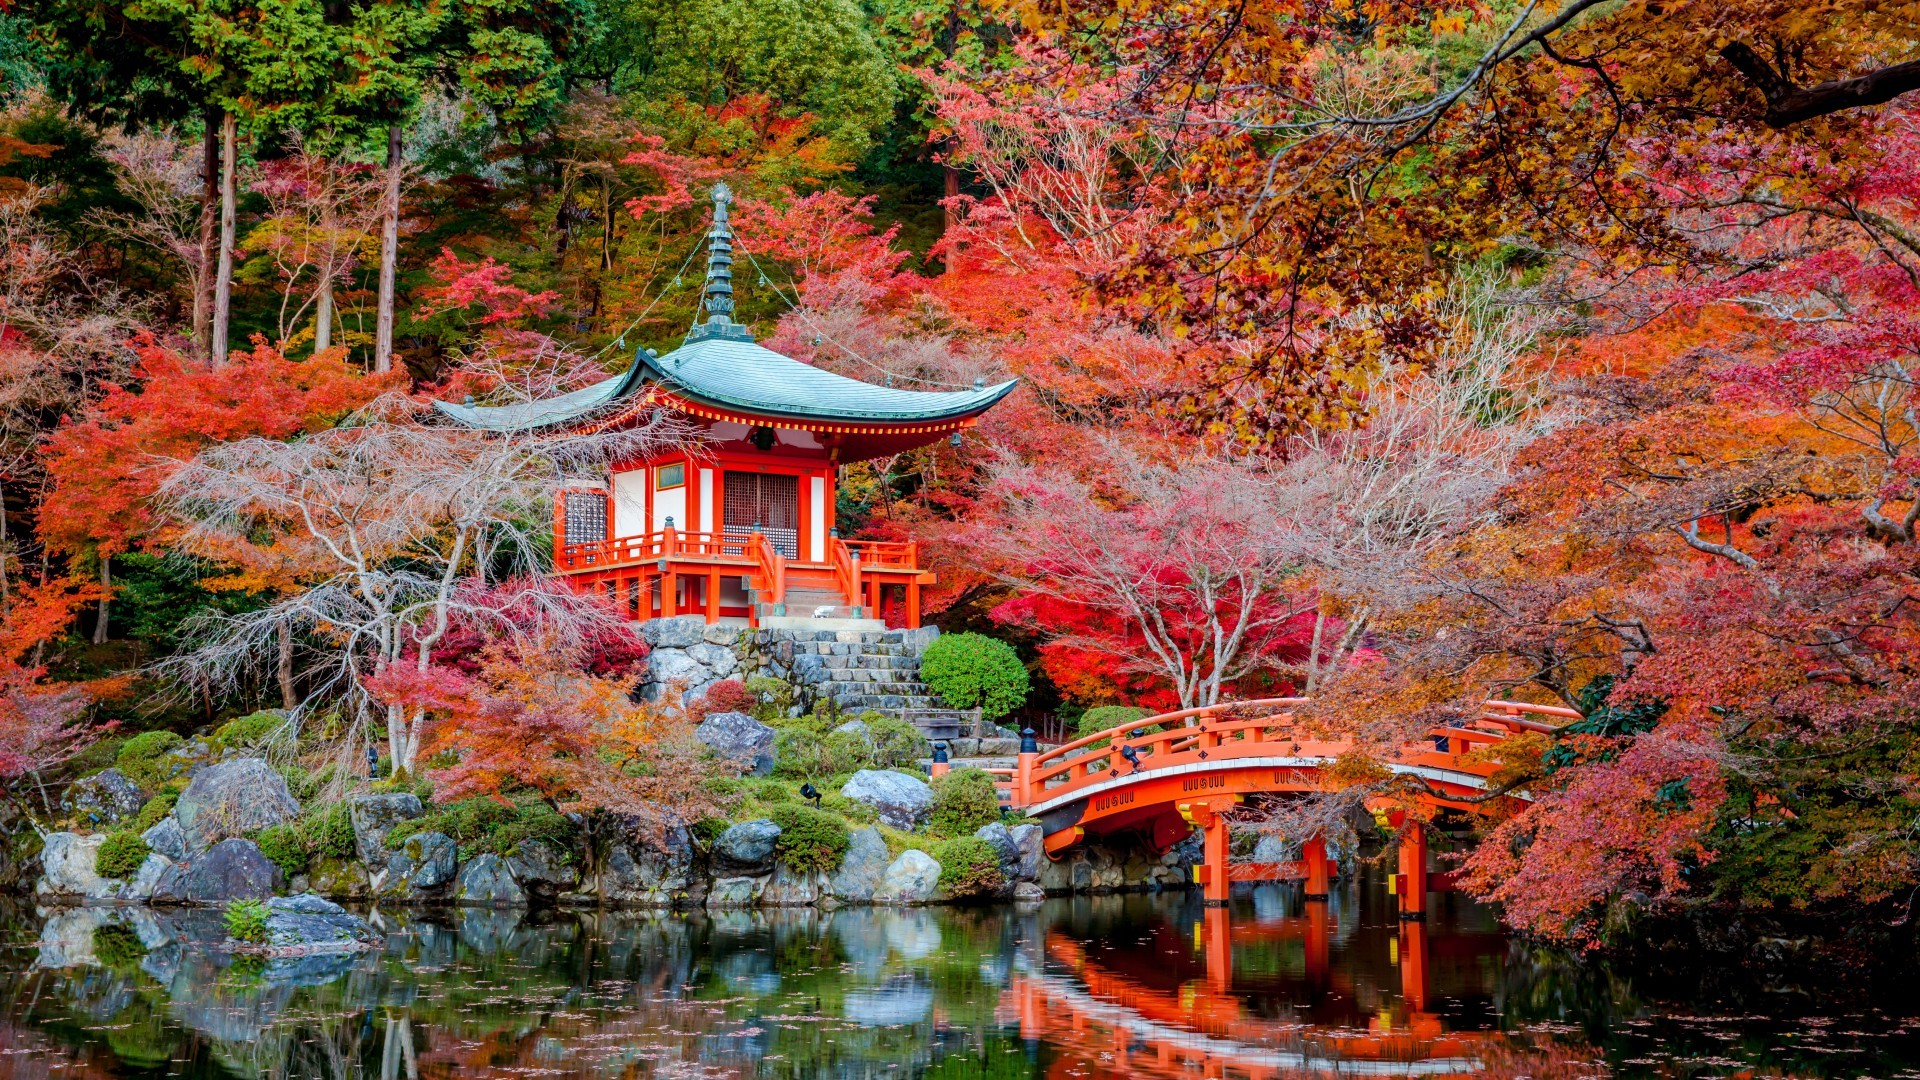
x=1400, y=355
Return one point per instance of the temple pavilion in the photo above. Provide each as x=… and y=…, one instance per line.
x=739, y=523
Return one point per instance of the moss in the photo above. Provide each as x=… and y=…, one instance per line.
x=771, y=791
x=120, y=855
x=250, y=731
x=969, y=868
x=852, y=809
x=285, y=848
x=154, y=810
x=323, y=832
x=811, y=841
x=708, y=830
x=963, y=800
x=117, y=946
x=140, y=757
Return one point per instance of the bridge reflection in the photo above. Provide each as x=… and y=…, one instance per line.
x=1172, y=1004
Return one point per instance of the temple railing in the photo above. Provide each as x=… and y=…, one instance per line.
x=770, y=580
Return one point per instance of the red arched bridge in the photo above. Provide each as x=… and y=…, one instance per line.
x=1163, y=776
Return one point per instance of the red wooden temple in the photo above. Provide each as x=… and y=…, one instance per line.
x=739, y=523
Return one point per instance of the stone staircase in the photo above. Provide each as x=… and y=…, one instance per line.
x=871, y=669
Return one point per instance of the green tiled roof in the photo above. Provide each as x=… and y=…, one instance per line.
x=740, y=376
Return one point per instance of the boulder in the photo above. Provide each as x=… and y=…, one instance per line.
x=910, y=879
x=650, y=871
x=313, y=924
x=536, y=863
x=1031, y=842
x=344, y=879
x=675, y=633
x=66, y=868
x=165, y=838
x=1026, y=892
x=736, y=892
x=791, y=888
x=105, y=798
x=1272, y=849
x=718, y=660
x=232, y=869
x=232, y=799
x=487, y=882
x=745, y=849
x=433, y=857
x=667, y=666
x=864, y=868
x=374, y=816
x=1001, y=841
x=902, y=801
x=740, y=737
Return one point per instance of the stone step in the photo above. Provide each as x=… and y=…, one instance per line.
x=875, y=686
x=881, y=702
x=851, y=648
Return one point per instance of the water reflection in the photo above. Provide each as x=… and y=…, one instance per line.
x=1088, y=987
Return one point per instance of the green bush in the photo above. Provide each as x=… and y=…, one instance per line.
x=155, y=808
x=285, y=848
x=969, y=868
x=484, y=826
x=120, y=855
x=1102, y=717
x=707, y=830
x=117, y=946
x=323, y=832
x=771, y=791
x=963, y=800
x=250, y=731
x=974, y=671
x=247, y=921
x=139, y=757
x=810, y=841
x=801, y=754
x=896, y=743
x=772, y=698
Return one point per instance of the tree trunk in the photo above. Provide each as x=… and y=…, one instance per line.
x=209, y=199
x=396, y=737
x=323, y=317
x=223, y=279
x=289, y=699
x=389, y=252
x=106, y=579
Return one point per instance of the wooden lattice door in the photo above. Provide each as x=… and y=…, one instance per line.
x=769, y=500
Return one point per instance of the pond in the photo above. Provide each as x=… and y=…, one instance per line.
x=1117, y=986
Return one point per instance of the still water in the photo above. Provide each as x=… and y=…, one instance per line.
x=1125, y=986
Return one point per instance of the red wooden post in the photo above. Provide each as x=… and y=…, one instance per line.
x=1413, y=964
x=1412, y=883
x=1219, y=935
x=713, y=594
x=1318, y=944
x=1314, y=852
x=913, y=604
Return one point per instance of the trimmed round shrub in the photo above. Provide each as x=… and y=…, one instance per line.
x=801, y=754
x=969, y=868
x=727, y=695
x=963, y=800
x=1102, y=717
x=810, y=841
x=120, y=855
x=975, y=671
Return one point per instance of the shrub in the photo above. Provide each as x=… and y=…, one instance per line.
x=771, y=698
x=247, y=921
x=117, y=945
x=250, y=731
x=484, y=826
x=849, y=750
x=772, y=791
x=801, y=753
x=155, y=808
x=707, y=830
x=895, y=742
x=1102, y=717
x=727, y=695
x=969, y=867
x=120, y=855
x=963, y=800
x=139, y=757
x=810, y=841
x=285, y=848
x=974, y=671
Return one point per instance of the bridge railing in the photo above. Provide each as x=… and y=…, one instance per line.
x=1196, y=734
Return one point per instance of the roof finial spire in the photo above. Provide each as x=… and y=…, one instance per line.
x=717, y=295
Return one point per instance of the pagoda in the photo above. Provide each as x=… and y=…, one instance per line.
x=739, y=522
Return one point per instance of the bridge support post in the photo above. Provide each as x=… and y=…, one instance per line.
x=1209, y=816
x=1218, y=932
x=1410, y=885
x=1413, y=965
x=1314, y=854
